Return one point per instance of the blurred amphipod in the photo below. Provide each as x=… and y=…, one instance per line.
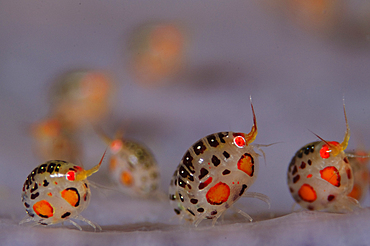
x=53, y=142
x=361, y=176
x=157, y=52
x=133, y=167
x=81, y=97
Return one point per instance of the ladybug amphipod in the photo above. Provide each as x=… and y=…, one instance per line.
x=213, y=174
x=133, y=167
x=320, y=176
x=359, y=163
x=57, y=191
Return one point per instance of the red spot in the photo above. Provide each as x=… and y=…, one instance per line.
x=239, y=141
x=238, y=182
x=71, y=175
x=309, y=176
x=349, y=173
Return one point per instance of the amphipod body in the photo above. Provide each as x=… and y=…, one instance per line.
x=359, y=163
x=213, y=174
x=320, y=176
x=133, y=167
x=57, y=191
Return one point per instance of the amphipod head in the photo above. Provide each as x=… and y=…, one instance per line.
x=116, y=144
x=80, y=174
x=242, y=139
x=333, y=148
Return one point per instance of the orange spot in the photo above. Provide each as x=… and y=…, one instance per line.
x=327, y=148
x=218, y=194
x=126, y=178
x=331, y=175
x=239, y=141
x=43, y=209
x=307, y=193
x=49, y=194
x=246, y=164
x=309, y=176
x=71, y=196
x=112, y=164
x=356, y=192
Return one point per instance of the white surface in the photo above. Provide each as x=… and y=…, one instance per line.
x=237, y=48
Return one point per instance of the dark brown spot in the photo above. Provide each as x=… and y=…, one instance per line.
x=34, y=196
x=203, y=172
x=309, y=162
x=188, y=162
x=65, y=215
x=181, y=182
x=243, y=189
x=58, y=167
x=26, y=205
x=221, y=135
x=303, y=165
x=35, y=187
x=51, y=167
x=291, y=189
x=292, y=162
x=300, y=153
x=42, y=169
x=226, y=154
x=199, y=147
x=172, y=197
x=296, y=178
x=194, y=201
x=226, y=172
x=331, y=198
x=200, y=210
x=310, y=207
x=181, y=197
x=345, y=159
x=214, y=212
x=177, y=211
x=349, y=173
x=212, y=140
x=45, y=183
x=185, y=174
x=295, y=170
x=192, y=213
x=215, y=161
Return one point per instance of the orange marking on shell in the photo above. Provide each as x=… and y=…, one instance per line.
x=71, y=196
x=112, y=164
x=246, y=165
x=356, y=192
x=126, y=178
x=218, y=194
x=307, y=193
x=309, y=176
x=331, y=175
x=50, y=194
x=43, y=209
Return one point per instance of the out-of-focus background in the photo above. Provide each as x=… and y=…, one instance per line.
x=168, y=73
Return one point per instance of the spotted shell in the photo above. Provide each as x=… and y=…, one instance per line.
x=57, y=191
x=318, y=180
x=213, y=174
x=133, y=168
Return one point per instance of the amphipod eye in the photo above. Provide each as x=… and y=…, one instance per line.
x=71, y=175
x=239, y=141
x=116, y=146
x=326, y=149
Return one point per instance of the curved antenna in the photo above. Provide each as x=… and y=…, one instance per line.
x=344, y=144
x=86, y=173
x=250, y=137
